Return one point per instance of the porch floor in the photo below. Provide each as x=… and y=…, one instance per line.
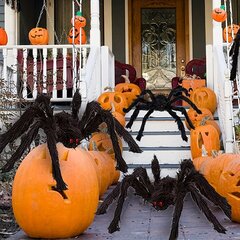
x=140, y=221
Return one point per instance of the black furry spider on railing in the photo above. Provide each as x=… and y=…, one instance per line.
x=66, y=128
x=166, y=191
x=149, y=102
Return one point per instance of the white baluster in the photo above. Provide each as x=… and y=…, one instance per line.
x=14, y=74
x=24, y=92
x=64, y=94
x=44, y=70
x=35, y=76
x=5, y=53
x=54, y=91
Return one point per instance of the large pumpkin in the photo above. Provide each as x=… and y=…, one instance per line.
x=206, y=135
x=219, y=14
x=3, y=37
x=204, y=97
x=38, y=36
x=118, y=99
x=130, y=90
x=74, y=36
x=43, y=212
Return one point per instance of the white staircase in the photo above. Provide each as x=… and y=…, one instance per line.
x=162, y=138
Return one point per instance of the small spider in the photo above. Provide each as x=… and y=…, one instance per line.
x=65, y=128
x=167, y=191
x=149, y=102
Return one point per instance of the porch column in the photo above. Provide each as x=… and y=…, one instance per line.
x=95, y=24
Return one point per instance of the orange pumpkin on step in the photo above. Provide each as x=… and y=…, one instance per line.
x=206, y=135
x=43, y=212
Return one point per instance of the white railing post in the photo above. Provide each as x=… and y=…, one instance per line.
x=95, y=24
x=229, y=146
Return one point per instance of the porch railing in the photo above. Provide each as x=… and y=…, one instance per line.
x=57, y=70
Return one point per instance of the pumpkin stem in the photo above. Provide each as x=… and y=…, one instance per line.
x=108, y=89
x=112, y=107
x=94, y=146
x=204, y=120
x=126, y=79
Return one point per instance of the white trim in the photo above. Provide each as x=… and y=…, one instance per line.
x=108, y=23
x=190, y=29
x=126, y=33
x=50, y=22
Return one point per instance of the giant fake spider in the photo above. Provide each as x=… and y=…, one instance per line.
x=167, y=191
x=150, y=102
x=65, y=128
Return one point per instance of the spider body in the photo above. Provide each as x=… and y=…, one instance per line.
x=63, y=127
x=149, y=102
x=166, y=191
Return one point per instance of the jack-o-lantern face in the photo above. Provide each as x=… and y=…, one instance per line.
x=229, y=31
x=79, y=21
x=204, y=97
x=75, y=33
x=206, y=135
x=219, y=15
x=38, y=36
x=130, y=90
x=117, y=99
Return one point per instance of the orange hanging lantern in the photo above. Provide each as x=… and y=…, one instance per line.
x=230, y=32
x=3, y=37
x=219, y=14
x=74, y=36
x=38, y=36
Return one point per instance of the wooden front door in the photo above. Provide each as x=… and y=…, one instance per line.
x=158, y=40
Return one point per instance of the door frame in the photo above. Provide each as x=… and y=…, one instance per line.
x=186, y=35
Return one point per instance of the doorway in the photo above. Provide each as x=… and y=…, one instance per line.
x=158, y=40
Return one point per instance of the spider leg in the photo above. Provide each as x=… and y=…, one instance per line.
x=128, y=181
x=25, y=143
x=133, y=117
x=155, y=169
x=184, y=112
x=140, y=132
x=181, y=97
x=122, y=132
x=204, y=207
x=177, y=214
x=76, y=104
x=179, y=123
x=109, y=199
x=177, y=91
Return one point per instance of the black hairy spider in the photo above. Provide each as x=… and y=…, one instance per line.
x=167, y=191
x=65, y=128
x=150, y=102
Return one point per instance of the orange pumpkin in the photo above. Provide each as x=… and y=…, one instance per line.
x=120, y=118
x=230, y=32
x=206, y=135
x=206, y=118
x=197, y=162
x=204, y=97
x=118, y=99
x=103, y=143
x=76, y=36
x=38, y=36
x=41, y=211
x=79, y=20
x=219, y=15
x=130, y=90
x=3, y=37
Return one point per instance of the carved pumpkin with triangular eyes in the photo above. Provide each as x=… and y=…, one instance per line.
x=74, y=36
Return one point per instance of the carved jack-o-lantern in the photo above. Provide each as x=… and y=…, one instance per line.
x=130, y=90
x=79, y=21
x=75, y=34
x=38, y=36
x=206, y=135
x=117, y=99
x=43, y=212
x=229, y=32
x=204, y=97
x=3, y=37
x=219, y=15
